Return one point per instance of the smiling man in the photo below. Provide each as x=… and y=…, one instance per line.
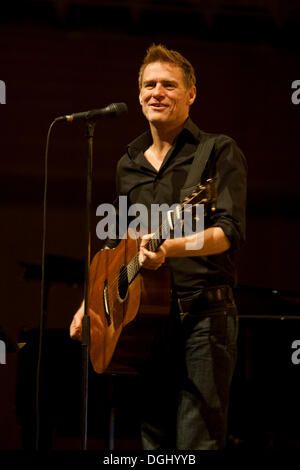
x=186, y=379
x=164, y=96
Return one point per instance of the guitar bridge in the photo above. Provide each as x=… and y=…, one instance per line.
x=106, y=303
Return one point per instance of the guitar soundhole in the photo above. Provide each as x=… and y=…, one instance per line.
x=123, y=282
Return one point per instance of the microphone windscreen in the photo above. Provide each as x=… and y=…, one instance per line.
x=119, y=109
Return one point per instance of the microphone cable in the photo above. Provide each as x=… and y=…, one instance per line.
x=43, y=300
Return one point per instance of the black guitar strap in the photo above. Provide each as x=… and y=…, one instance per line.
x=199, y=164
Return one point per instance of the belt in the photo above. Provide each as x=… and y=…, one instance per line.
x=205, y=298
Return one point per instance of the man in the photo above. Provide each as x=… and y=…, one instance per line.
x=186, y=380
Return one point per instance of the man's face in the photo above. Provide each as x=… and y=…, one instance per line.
x=163, y=96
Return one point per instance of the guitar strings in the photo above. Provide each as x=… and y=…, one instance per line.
x=133, y=266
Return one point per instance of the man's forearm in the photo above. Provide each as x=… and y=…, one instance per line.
x=211, y=241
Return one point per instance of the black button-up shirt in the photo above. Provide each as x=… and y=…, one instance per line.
x=143, y=184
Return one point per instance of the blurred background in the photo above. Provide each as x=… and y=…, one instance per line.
x=63, y=56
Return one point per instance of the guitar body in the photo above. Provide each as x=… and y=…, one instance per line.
x=113, y=303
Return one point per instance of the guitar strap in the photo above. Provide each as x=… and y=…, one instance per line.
x=199, y=164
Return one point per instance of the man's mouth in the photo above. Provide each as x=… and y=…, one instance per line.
x=158, y=105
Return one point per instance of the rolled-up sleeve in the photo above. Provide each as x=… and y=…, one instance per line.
x=230, y=172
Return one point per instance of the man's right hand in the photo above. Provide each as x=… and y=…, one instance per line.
x=76, y=325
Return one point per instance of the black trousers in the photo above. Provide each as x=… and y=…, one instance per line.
x=186, y=379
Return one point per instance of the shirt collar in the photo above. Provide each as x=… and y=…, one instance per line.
x=141, y=143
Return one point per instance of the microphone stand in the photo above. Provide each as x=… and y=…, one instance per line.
x=90, y=127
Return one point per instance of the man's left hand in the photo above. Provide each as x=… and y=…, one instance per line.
x=149, y=259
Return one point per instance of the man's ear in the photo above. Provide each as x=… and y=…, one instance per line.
x=140, y=99
x=192, y=95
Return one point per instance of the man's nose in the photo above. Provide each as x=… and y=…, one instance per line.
x=158, y=90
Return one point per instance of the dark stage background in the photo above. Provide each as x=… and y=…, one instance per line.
x=59, y=57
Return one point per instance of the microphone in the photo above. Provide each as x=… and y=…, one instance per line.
x=113, y=110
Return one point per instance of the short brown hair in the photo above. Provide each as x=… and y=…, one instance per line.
x=160, y=53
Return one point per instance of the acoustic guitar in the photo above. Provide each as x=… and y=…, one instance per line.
x=119, y=288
